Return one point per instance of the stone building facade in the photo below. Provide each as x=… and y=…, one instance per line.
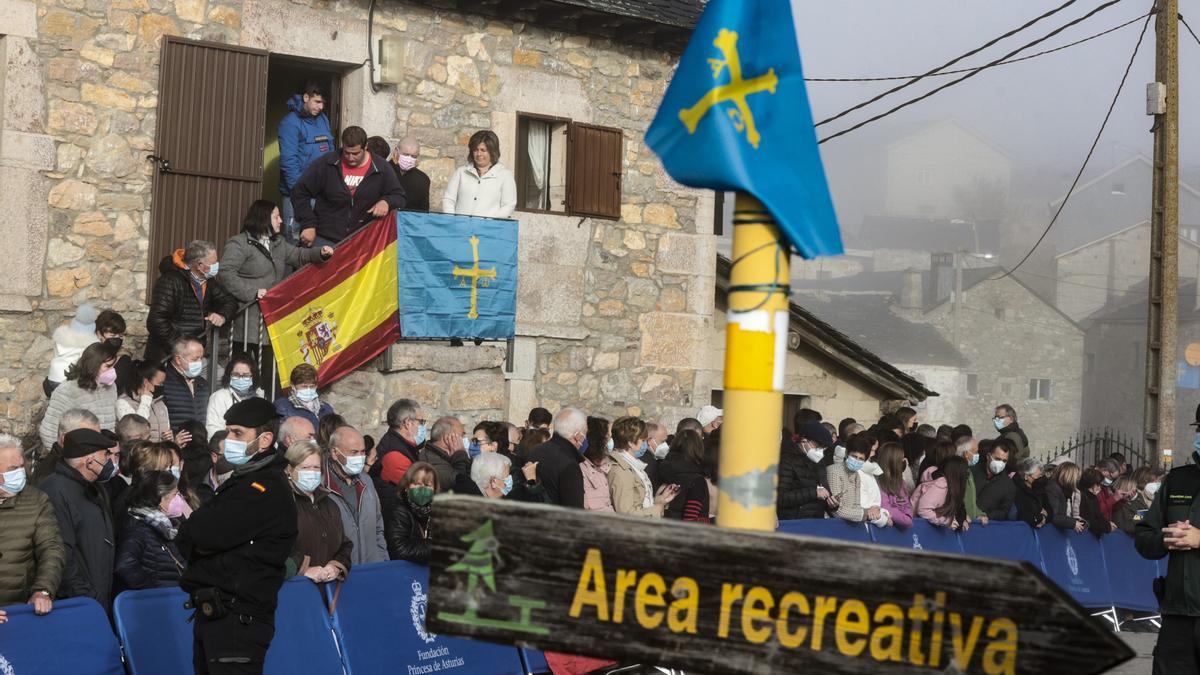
x=614, y=315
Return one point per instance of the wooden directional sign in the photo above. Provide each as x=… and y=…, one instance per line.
x=723, y=601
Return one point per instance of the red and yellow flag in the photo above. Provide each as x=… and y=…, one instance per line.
x=340, y=314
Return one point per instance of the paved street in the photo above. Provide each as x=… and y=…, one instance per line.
x=1143, y=644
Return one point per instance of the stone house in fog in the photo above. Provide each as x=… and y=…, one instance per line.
x=1103, y=272
x=615, y=299
x=1011, y=346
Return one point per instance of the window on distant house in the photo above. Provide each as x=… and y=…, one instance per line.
x=999, y=312
x=568, y=167
x=972, y=384
x=1089, y=363
x=1118, y=189
x=1039, y=389
x=924, y=177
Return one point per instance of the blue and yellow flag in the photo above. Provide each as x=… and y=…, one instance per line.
x=736, y=117
x=458, y=276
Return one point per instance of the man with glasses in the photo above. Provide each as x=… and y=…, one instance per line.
x=401, y=445
x=1006, y=423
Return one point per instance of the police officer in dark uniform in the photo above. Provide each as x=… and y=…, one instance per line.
x=1172, y=526
x=237, y=546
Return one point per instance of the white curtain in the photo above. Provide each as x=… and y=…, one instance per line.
x=539, y=159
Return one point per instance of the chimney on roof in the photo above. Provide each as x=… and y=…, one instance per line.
x=912, y=289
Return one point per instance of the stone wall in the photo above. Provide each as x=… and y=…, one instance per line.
x=613, y=315
x=1030, y=340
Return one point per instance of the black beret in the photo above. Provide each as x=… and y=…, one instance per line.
x=251, y=413
x=83, y=442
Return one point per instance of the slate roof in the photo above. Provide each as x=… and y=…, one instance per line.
x=923, y=234
x=836, y=345
x=868, y=320
x=678, y=13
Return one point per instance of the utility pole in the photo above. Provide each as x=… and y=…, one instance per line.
x=756, y=334
x=1163, y=102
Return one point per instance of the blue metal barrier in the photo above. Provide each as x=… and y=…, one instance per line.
x=920, y=537
x=827, y=528
x=1130, y=576
x=75, y=638
x=1005, y=540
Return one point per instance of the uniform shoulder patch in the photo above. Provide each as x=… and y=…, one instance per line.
x=258, y=486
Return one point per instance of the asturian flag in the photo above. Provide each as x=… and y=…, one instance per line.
x=736, y=117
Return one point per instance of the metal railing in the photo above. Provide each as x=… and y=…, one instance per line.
x=223, y=344
x=1088, y=447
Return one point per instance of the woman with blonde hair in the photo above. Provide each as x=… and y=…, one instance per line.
x=322, y=550
x=1062, y=494
x=629, y=486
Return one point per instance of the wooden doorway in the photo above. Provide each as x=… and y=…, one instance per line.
x=286, y=77
x=208, y=146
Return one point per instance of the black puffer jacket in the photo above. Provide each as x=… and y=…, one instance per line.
x=407, y=536
x=799, y=478
x=176, y=311
x=146, y=552
x=692, y=487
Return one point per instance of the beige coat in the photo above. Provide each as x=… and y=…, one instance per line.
x=627, y=489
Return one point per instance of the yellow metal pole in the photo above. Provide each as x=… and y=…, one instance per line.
x=755, y=351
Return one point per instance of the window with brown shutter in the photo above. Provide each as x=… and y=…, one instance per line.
x=594, y=171
x=568, y=167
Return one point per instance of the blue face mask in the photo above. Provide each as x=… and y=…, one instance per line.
x=854, y=463
x=609, y=445
x=241, y=384
x=213, y=270
x=235, y=452
x=974, y=460
x=1196, y=445
x=14, y=481
x=108, y=472
x=422, y=434
x=473, y=449
x=999, y=423
x=583, y=446
x=175, y=471
x=306, y=395
x=641, y=450
x=507, y=485
x=308, y=480
x=194, y=368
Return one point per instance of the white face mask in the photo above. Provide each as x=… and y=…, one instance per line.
x=1152, y=488
x=661, y=450
x=815, y=454
x=839, y=452
x=997, y=465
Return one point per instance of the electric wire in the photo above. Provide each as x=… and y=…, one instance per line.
x=1189, y=29
x=1091, y=150
x=973, y=73
x=949, y=63
x=1002, y=63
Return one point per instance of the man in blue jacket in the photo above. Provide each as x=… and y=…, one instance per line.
x=304, y=135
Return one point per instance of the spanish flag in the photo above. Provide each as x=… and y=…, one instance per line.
x=340, y=314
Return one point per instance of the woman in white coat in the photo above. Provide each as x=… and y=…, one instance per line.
x=484, y=187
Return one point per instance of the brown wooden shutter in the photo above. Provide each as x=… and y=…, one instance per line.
x=212, y=106
x=594, y=171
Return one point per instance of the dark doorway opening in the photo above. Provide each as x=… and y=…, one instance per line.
x=286, y=76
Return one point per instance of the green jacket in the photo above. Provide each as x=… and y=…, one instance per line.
x=31, y=549
x=1175, y=501
x=973, y=510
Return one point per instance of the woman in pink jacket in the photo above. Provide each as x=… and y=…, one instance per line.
x=595, y=466
x=893, y=493
x=941, y=499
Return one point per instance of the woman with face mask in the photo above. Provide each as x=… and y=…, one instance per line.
x=139, y=390
x=629, y=486
x=90, y=385
x=493, y=438
x=322, y=551
x=239, y=383
x=304, y=399
x=595, y=465
x=407, y=523
x=893, y=493
x=1130, y=501
x=146, y=552
x=803, y=487
x=845, y=480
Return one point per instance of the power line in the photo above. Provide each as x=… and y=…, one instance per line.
x=1091, y=150
x=1002, y=63
x=1189, y=29
x=949, y=63
x=975, y=72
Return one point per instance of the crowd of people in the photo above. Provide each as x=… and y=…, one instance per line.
x=899, y=469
